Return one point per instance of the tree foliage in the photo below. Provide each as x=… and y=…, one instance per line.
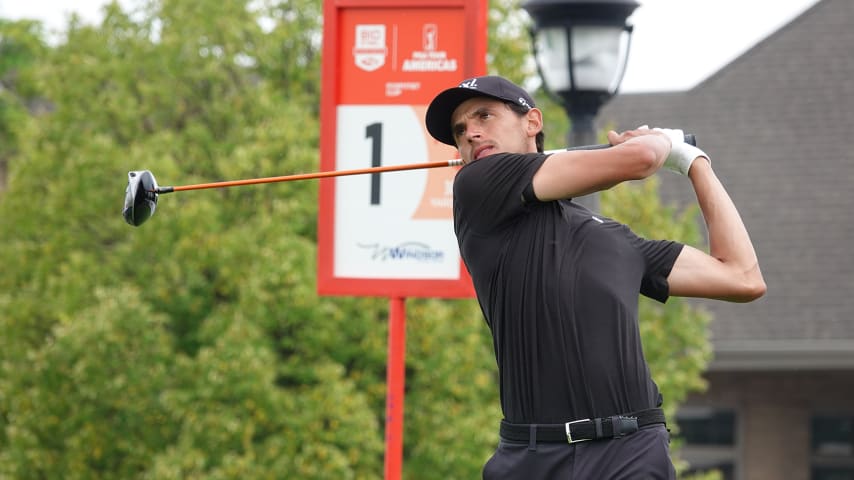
x=196, y=347
x=21, y=45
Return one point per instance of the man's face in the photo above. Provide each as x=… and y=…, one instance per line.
x=483, y=126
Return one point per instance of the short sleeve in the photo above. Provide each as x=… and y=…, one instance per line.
x=659, y=256
x=489, y=192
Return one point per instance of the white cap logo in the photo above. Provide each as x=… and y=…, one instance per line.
x=469, y=84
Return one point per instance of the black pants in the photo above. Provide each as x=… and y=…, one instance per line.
x=643, y=455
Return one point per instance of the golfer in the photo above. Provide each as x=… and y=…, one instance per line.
x=559, y=284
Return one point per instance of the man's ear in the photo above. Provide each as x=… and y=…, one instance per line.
x=534, y=118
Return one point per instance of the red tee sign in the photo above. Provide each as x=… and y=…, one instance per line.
x=391, y=234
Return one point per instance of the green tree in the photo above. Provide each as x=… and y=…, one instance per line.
x=88, y=399
x=21, y=44
x=245, y=373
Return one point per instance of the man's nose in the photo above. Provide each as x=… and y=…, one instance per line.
x=472, y=133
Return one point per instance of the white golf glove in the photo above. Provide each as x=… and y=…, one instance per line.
x=682, y=154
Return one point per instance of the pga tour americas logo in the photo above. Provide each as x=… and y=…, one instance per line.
x=429, y=58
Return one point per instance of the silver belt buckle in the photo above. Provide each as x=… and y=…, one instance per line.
x=569, y=432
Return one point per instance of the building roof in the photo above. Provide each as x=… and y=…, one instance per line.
x=778, y=123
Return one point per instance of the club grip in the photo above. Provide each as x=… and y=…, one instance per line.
x=689, y=139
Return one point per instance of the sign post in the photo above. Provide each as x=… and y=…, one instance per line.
x=395, y=386
x=392, y=235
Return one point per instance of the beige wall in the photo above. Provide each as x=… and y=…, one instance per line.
x=773, y=411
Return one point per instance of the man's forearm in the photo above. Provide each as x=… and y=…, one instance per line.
x=729, y=241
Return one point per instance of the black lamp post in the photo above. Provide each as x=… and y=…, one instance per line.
x=581, y=48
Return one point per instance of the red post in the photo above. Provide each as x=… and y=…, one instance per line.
x=395, y=381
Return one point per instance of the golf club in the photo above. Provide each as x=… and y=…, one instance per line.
x=142, y=190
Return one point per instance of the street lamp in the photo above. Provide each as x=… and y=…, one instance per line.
x=581, y=48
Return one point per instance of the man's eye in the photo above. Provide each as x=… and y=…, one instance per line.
x=458, y=131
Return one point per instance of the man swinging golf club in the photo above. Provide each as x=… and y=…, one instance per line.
x=558, y=284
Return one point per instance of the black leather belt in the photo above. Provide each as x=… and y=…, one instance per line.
x=584, y=430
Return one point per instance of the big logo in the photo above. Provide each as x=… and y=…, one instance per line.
x=370, y=50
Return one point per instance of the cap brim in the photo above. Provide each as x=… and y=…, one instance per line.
x=438, y=116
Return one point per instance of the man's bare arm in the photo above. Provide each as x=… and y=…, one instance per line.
x=730, y=271
x=636, y=154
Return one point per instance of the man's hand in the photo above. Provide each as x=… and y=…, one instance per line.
x=655, y=142
x=615, y=138
x=682, y=155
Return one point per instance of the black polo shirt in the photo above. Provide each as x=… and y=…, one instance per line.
x=558, y=286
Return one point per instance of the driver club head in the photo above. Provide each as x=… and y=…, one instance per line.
x=140, y=197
